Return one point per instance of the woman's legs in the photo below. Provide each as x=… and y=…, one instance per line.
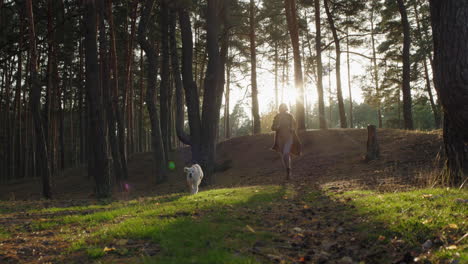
x=287, y=157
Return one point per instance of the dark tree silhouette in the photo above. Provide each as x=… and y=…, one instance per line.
x=406, y=88
x=450, y=34
x=99, y=166
x=42, y=153
x=151, y=54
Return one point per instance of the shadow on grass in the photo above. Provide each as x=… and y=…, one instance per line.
x=205, y=228
x=391, y=227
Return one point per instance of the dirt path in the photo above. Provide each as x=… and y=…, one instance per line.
x=310, y=227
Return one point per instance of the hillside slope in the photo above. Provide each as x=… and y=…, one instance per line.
x=330, y=158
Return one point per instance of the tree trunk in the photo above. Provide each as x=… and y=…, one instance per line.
x=373, y=151
x=18, y=126
x=407, y=100
x=100, y=166
x=450, y=34
x=81, y=107
x=227, y=121
x=42, y=157
x=120, y=120
x=190, y=87
x=276, y=75
x=291, y=17
x=343, y=121
x=107, y=87
x=253, y=70
x=164, y=84
x=376, y=69
x=128, y=95
x=351, y=120
x=183, y=137
x=157, y=143
x=318, y=49
x=214, y=86
x=141, y=131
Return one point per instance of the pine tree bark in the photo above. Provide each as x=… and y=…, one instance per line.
x=115, y=93
x=165, y=82
x=318, y=49
x=227, y=121
x=99, y=168
x=339, y=92
x=450, y=35
x=107, y=94
x=42, y=157
x=180, y=113
x=351, y=118
x=376, y=69
x=190, y=86
x=253, y=70
x=18, y=104
x=291, y=17
x=213, y=89
x=141, y=131
x=276, y=75
x=128, y=96
x=406, y=88
x=156, y=135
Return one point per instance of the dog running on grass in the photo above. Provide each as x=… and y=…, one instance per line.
x=194, y=177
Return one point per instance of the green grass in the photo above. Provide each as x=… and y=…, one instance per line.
x=184, y=229
x=4, y=234
x=211, y=227
x=416, y=216
x=44, y=225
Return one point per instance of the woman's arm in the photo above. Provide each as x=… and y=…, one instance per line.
x=294, y=123
x=274, y=126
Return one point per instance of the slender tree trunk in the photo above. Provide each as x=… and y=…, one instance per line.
x=450, y=34
x=128, y=95
x=35, y=98
x=291, y=17
x=407, y=100
x=141, y=131
x=227, y=121
x=330, y=93
x=100, y=166
x=318, y=49
x=339, y=92
x=276, y=75
x=151, y=53
x=7, y=119
x=115, y=94
x=107, y=94
x=164, y=84
x=351, y=120
x=253, y=70
x=81, y=107
x=18, y=127
x=49, y=113
x=376, y=69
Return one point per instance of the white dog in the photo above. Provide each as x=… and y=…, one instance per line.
x=194, y=177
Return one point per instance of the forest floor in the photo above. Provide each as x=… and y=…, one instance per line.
x=336, y=209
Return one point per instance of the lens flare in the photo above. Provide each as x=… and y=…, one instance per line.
x=171, y=165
